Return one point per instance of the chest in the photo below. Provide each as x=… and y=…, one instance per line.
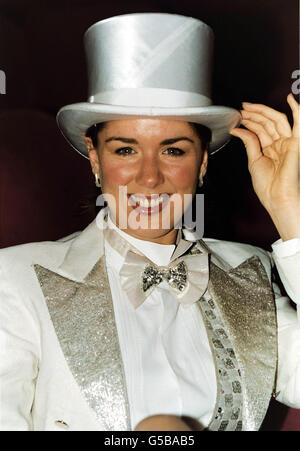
x=240, y=321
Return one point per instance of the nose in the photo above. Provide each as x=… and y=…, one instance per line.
x=149, y=174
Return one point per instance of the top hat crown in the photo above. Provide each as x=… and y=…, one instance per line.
x=148, y=65
x=158, y=53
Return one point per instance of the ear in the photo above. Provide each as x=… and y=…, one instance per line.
x=203, y=167
x=93, y=155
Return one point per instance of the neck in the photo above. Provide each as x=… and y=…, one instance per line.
x=167, y=238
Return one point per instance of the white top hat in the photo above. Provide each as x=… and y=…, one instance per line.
x=148, y=65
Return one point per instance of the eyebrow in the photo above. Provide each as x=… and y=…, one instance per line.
x=163, y=143
x=125, y=140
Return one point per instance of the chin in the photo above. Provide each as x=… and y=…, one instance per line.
x=149, y=234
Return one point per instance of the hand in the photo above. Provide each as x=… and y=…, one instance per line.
x=273, y=152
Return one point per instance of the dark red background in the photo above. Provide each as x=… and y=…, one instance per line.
x=46, y=188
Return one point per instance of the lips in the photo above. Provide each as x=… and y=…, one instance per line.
x=148, y=204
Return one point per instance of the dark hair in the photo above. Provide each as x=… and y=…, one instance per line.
x=93, y=131
x=203, y=133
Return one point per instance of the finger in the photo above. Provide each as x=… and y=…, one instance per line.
x=251, y=143
x=259, y=130
x=294, y=105
x=274, y=115
x=278, y=129
x=267, y=123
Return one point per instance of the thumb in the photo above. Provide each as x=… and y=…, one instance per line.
x=251, y=142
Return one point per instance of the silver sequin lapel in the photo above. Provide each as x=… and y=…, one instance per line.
x=83, y=318
x=240, y=316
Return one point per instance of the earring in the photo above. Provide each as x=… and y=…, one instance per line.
x=97, y=181
x=200, y=183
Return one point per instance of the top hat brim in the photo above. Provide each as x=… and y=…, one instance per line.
x=74, y=120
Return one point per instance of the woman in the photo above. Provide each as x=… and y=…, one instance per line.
x=132, y=318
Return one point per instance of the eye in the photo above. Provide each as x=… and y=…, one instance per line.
x=124, y=151
x=175, y=151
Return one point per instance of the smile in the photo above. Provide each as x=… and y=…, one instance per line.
x=148, y=204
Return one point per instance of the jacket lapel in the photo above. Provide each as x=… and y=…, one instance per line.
x=79, y=301
x=240, y=315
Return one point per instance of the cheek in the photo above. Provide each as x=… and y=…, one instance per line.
x=115, y=174
x=184, y=176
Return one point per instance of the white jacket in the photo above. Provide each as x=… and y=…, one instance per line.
x=37, y=389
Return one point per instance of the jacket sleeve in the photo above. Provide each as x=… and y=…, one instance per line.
x=19, y=349
x=288, y=317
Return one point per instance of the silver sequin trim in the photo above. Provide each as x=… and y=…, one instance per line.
x=176, y=276
x=228, y=410
x=239, y=309
x=83, y=318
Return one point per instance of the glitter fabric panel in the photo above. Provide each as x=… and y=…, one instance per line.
x=245, y=300
x=227, y=415
x=83, y=318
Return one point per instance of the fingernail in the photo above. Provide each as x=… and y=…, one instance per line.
x=246, y=103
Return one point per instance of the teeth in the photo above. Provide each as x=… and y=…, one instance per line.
x=144, y=202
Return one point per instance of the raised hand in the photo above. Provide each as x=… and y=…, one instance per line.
x=273, y=151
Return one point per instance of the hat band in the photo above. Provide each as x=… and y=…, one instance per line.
x=151, y=97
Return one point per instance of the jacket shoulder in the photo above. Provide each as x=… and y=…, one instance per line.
x=235, y=253
x=45, y=253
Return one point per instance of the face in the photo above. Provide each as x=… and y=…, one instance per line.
x=149, y=170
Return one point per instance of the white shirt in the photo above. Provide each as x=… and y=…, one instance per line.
x=168, y=363
x=166, y=354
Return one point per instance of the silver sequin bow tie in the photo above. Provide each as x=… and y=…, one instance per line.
x=187, y=277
